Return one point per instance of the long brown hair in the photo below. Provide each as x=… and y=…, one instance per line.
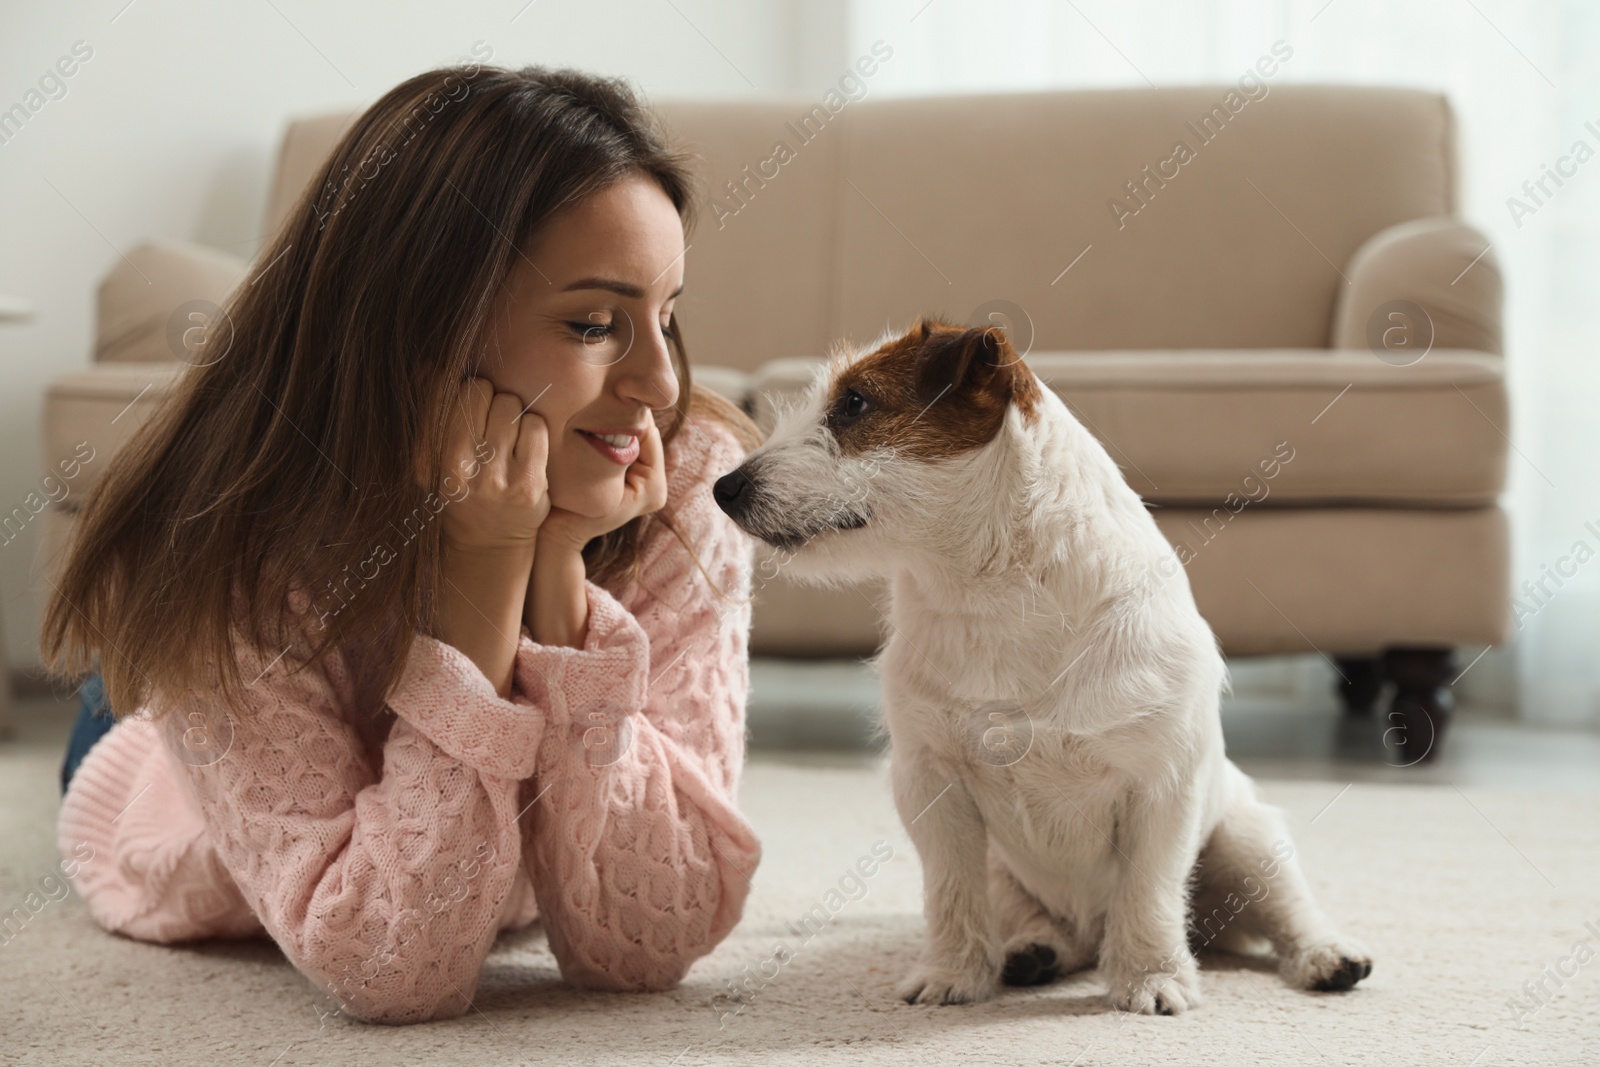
x=278, y=463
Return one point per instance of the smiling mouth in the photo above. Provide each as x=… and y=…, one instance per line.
x=620, y=448
x=615, y=440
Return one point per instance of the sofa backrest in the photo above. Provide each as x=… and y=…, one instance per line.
x=1076, y=211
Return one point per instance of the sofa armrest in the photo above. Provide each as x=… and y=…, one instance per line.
x=138, y=299
x=1441, y=265
x=90, y=415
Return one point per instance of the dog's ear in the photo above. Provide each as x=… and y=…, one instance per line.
x=956, y=361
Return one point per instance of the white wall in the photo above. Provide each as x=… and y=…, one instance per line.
x=170, y=128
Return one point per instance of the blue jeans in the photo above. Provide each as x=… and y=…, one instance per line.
x=94, y=722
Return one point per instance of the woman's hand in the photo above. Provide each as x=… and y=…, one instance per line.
x=501, y=449
x=644, y=491
x=489, y=535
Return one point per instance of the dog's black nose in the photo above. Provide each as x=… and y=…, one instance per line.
x=733, y=492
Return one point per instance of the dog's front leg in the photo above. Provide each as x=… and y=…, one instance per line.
x=1145, y=955
x=960, y=962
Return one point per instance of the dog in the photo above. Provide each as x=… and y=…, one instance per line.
x=1051, y=693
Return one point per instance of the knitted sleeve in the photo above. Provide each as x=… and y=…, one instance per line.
x=639, y=858
x=385, y=888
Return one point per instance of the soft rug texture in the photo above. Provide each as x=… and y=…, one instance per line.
x=1463, y=897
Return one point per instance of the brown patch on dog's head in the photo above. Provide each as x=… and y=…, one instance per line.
x=938, y=390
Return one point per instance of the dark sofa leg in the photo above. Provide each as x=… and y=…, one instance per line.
x=1420, y=710
x=1359, y=684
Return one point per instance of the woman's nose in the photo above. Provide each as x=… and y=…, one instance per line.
x=646, y=373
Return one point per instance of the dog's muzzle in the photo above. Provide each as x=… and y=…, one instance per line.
x=733, y=493
x=739, y=495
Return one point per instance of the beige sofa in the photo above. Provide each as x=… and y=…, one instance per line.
x=1288, y=341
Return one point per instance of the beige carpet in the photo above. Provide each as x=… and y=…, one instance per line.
x=1461, y=896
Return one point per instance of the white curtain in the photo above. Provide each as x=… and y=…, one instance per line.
x=1524, y=78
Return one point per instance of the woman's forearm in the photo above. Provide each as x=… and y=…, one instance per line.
x=481, y=607
x=557, y=604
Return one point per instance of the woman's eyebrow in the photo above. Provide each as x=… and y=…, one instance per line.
x=612, y=285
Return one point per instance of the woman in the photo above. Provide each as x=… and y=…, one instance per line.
x=417, y=589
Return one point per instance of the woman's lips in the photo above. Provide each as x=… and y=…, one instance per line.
x=620, y=456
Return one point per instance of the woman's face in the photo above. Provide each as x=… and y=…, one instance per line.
x=580, y=335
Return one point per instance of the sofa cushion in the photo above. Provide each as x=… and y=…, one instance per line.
x=1346, y=581
x=1265, y=428
x=138, y=299
x=1270, y=581
x=810, y=621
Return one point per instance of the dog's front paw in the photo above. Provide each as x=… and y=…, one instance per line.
x=1168, y=989
x=1329, y=968
x=931, y=983
x=1033, y=963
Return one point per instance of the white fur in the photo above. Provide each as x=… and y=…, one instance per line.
x=1027, y=571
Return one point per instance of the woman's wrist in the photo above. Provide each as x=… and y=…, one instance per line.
x=556, y=610
x=478, y=607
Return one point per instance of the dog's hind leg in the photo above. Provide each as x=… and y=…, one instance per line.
x=1248, y=865
x=1038, y=948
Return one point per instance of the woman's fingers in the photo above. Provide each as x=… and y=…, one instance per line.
x=650, y=451
x=649, y=471
x=500, y=448
x=533, y=439
x=526, y=440
x=501, y=433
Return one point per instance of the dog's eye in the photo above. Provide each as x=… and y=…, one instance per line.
x=851, y=406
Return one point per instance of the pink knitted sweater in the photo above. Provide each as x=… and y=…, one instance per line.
x=384, y=857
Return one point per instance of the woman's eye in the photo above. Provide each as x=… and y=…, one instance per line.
x=668, y=332
x=593, y=332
